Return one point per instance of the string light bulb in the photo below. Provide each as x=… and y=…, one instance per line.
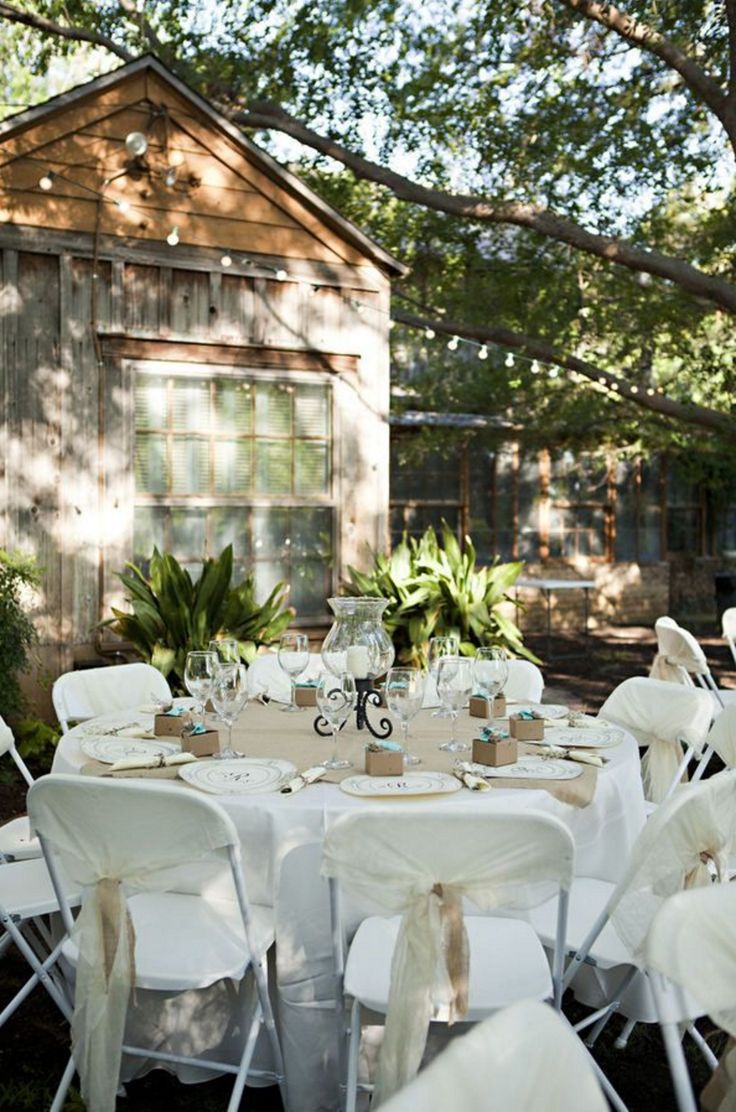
x=634, y=389
x=123, y=205
x=281, y=275
x=47, y=181
x=226, y=260
x=453, y=344
x=553, y=372
x=650, y=391
x=483, y=352
x=430, y=333
x=136, y=144
x=535, y=368
x=509, y=360
x=170, y=177
x=173, y=237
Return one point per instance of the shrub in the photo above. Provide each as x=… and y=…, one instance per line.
x=436, y=590
x=172, y=614
x=17, y=633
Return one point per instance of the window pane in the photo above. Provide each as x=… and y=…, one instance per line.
x=273, y=410
x=190, y=466
x=188, y=533
x=311, y=533
x=151, y=470
x=267, y=574
x=149, y=532
x=311, y=470
x=150, y=404
x=234, y=408
x=273, y=466
x=230, y=526
x=310, y=586
x=233, y=466
x=190, y=406
x=270, y=532
x=311, y=413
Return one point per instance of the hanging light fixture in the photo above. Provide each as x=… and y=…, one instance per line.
x=453, y=344
x=173, y=237
x=47, y=181
x=136, y=144
x=509, y=360
x=226, y=260
x=483, y=352
x=430, y=333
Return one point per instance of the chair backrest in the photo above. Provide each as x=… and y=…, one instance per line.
x=266, y=675
x=7, y=745
x=525, y=682
x=661, y=715
x=500, y=1063
x=93, y=691
x=728, y=628
x=679, y=656
x=685, y=844
x=722, y=736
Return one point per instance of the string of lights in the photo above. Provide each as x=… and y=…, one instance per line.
x=137, y=143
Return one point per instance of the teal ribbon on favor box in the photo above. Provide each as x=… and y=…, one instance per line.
x=490, y=733
x=176, y=712
x=389, y=746
x=198, y=729
x=528, y=715
x=308, y=683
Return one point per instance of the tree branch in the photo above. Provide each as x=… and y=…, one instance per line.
x=700, y=83
x=140, y=19
x=731, y=17
x=530, y=216
x=700, y=416
x=49, y=27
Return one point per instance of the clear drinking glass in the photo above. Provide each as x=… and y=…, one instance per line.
x=491, y=670
x=404, y=692
x=438, y=648
x=336, y=700
x=454, y=685
x=226, y=650
x=293, y=659
x=199, y=673
x=229, y=696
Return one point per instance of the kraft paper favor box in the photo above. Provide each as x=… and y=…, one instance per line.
x=384, y=762
x=305, y=695
x=499, y=707
x=496, y=751
x=526, y=729
x=169, y=725
x=479, y=706
x=202, y=745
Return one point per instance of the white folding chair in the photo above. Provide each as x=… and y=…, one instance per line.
x=417, y=870
x=728, y=629
x=685, y=842
x=671, y=720
x=692, y=943
x=92, y=691
x=164, y=907
x=16, y=841
x=526, y=1058
x=680, y=659
x=266, y=677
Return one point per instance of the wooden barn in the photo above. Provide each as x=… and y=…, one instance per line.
x=193, y=351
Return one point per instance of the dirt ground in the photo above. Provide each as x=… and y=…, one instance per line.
x=580, y=671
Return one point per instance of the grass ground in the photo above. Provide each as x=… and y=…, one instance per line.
x=33, y=1044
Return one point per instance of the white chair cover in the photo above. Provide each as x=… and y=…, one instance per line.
x=266, y=676
x=722, y=736
x=660, y=715
x=115, y=839
x=685, y=843
x=678, y=653
x=93, y=691
x=693, y=942
x=420, y=869
x=525, y=1058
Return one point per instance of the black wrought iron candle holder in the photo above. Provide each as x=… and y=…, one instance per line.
x=366, y=693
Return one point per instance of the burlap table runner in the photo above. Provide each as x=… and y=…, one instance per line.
x=268, y=731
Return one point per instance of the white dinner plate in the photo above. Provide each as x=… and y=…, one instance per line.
x=548, y=710
x=582, y=737
x=238, y=775
x=109, y=749
x=412, y=783
x=531, y=768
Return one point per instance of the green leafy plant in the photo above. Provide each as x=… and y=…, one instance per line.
x=437, y=590
x=172, y=614
x=18, y=573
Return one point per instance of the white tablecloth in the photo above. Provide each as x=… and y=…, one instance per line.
x=281, y=838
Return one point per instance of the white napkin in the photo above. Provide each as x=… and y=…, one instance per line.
x=469, y=779
x=159, y=761
x=309, y=776
x=131, y=731
x=582, y=756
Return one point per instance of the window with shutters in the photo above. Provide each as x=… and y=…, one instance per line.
x=242, y=461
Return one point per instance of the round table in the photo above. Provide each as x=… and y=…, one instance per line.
x=281, y=837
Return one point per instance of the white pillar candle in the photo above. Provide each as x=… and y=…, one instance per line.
x=356, y=661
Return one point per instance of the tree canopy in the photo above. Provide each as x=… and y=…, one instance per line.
x=558, y=174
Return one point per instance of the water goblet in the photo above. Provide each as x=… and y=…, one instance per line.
x=454, y=685
x=404, y=692
x=199, y=673
x=438, y=648
x=491, y=670
x=229, y=696
x=336, y=699
x=226, y=650
x=293, y=659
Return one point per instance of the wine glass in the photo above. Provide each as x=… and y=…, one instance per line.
x=438, y=648
x=199, y=673
x=404, y=692
x=226, y=650
x=293, y=659
x=454, y=684
x=229, y=696
x=336, y=699
x=491, y=670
